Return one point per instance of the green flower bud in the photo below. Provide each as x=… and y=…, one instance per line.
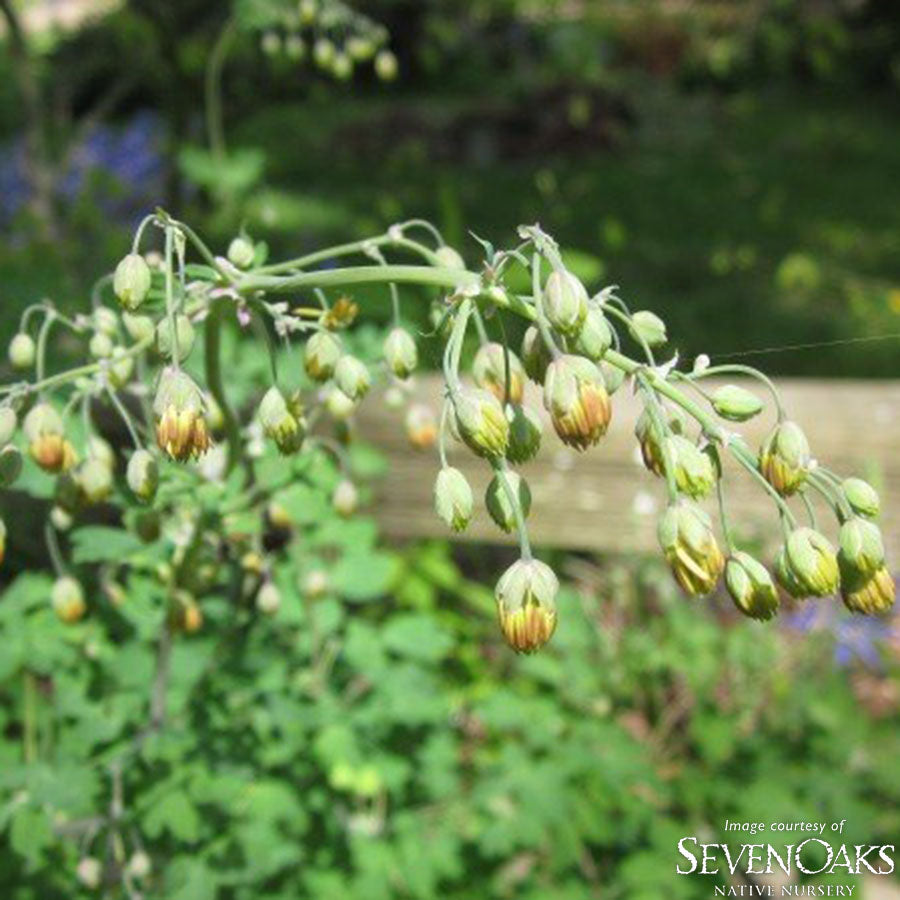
x=498, y=503
x=314, y=584
x=241, y=252
x=650, y=439
x=131, y=281
x=324, y=52
x=649, y=327
x=861, y=496
x=94, y=480
x=139, y=328
x=526, y=604
x=282, y=420
x=386, y=66
x=181, y=428
x=294, y=47
x=449, y=258
x=22, y=351
x=120, y=367
x=489, y=372
x=535, y=355
x=67, y=599
x=565, y=302
x=689, y=545
x=106, y=320
x=481, y=422
x=142, y=475
x=785, y=576
x=339, y=405
x=870, y=596
x=784, y=458
x=139, y=865
x=321, y=354
x=100, y=345
x=308, y=10
x=360, y=48
x=860, y=548
x=694, y=472
x=270, y=43
x=90, y=872
x=812, y=562
x=48, y=447
x=342, y=66
x=525, y=433
x=345, y=498
x=576, y=398
x=147, y=525
x=99, y=449
x=453, y=501
x=60, y=519
x=8, y=423
x=400, y=352
x=750, y=586
x=735, y=403
x=595, y=337
x=184, y=333
x=10, y=466
x=613, y=377
x=268, y=599
x=352, y=377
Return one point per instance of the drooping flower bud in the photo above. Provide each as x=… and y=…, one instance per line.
x=810, y=563
x=352, y=377
x=342, y=66
x=862, y=497
x=449, y=258
x=97, y=448
x=481, y=422
x=576, y=398
x=10, y=466
x=185, y=613
x=184, y=333
x=535, y=355
x=860, y=548
x=736, y=404
x=342, y=314
x=139, y=865
x=67, y=598
x=421, y=426
x=90, y=872
x=526, y=604
x=94, y=480
x=689, y=545
x=613, y=377
x=308, y=11
x=360, y=48
x=324, y=52
x=498, y=502
x=22, y=351
x=139, y=328
x=525, y=433
x=784, y=458
x=241, y=252
x=489, y=372
x=268, y=599
x=119, y=367
x=649, y=327
x=595, y=337
x=181, y=429
x=106, y=321
x=321, y=354
x=100, y=345
x=47, y=444
x=870, y=596
x=345, y=498
x=453, y=501
x=60, y=519
x=282, y=420
x=314, y=584
x=131, y=281
x=400, y=352
x=565, y=302
x=386, y=66
x=694, y=472
x=8, y=423
x=339, y=405
x=750, y=586
x=142, y=475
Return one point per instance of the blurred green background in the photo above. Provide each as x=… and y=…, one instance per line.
x=733, y=165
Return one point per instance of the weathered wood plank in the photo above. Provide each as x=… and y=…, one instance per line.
x=605, y=500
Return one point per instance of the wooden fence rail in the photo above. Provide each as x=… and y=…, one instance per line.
x=605, y=500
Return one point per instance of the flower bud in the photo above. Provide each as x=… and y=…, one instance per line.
x=181, y=429
x=22, y=351
x=694, y=472
x=489, y=372
x=421, y=426
x=535, y=355
x=453, y=501
x=526, y=604
x=270, y=43
x=648, y=327
x=345, y=498
x=498, y=502
x=321, y=354
x=784, y=458
x=650, y=439
x=100, y=345
x=185, y=614
x=138, y=328
x=861, y=496
x=613, y=377
x=308, y=11
x=90, y=872
x=131, y=281
x=595, y=337
x=449, y=258
x=339, y=405
x=352, y=377
x=142, y=475
x=869, y=596
x=812, y=562
x=147, y=525
x=324, y=52
x=8, y=423
x=106, y=321
x=860, y=548
x=268, y=599
x=94, y=480
x=525, y=433
x=400, y=352
x=184, y=333
x=689, y=545
x=481, y=422
x=282, y=420
x=386, y=66
x=565, y=302
x=750, y=586
x=241, y=252
x=342, y=66
x=341, y=315
x=2, y=541
x=736, y=404
x=67, y=598
x=576, y=398
x=47, y=445
x=139, y=865
x=360, y=48
x=60, y=519
x=119, y=368
x=314, y=584
x=10, y=466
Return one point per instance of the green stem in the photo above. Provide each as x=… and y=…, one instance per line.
x=215, y=128
x=213, y=361
x=626, y=320
x=752, y=373
x=43, y=336
x=501, y=468
x=325, y=278
x=538, y=300
x=170, y=300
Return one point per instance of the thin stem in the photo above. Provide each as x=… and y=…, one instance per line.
x=479, y=326
x=139, y=233
x=658, y=419
x=213, y=359
x=424, y=275
x=753, y=373
x=741, y=454
x=43, y=336
x=442, y=433
x=170, y=300
x=501, y=468
x=455, y=345
x=422, y=223
x=537, y=296
x=215, y=127
x=126, y=418
x=813, y=519
x=53, y=550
